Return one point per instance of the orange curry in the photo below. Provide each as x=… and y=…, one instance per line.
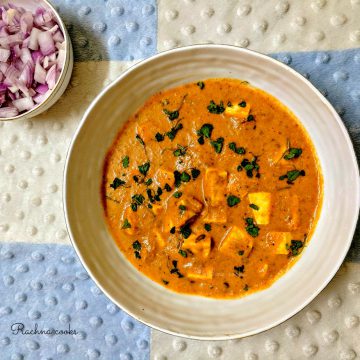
x=212, y=188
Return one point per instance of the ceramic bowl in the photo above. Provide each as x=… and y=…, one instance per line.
x=194, y=316
x=66, y=72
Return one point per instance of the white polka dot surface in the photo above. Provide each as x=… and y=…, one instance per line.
x=32, y=156
x=266, y=26
x=328, y=328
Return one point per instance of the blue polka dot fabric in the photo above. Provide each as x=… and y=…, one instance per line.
x=110, y=29
x=45, y=287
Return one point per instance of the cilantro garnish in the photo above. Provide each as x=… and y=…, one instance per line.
x=251, y=227
x=216, y=109
x=232, y=200
x=116, y=183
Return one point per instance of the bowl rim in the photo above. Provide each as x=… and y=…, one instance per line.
x=341, y=256
x=64, y=70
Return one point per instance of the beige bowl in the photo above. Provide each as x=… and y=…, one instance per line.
x=194, y=316
x=66, y=72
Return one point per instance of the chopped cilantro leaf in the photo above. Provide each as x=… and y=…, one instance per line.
x=140, y=140
x=182, y=207
x=183, y=253
x=250, y=167
x=177, y=194
x=242, y=104
x=295, y=247
x=173, y=131
x=144, y=168
x=241, y=252
x=116, y=183
x=185, y=231
x=237, y=150
x=175, y=270
x=216, y=109
x=137, y=199
x=148, y=182
x=218, y=144
x=239, y=270
x=125, y=162
x=180, y=151
x=177, y=177
x=200, y=84
x=167, y=187
x=172, y=115
x=293, y=153
x=232, y=200
x=159, y=137
x=185, y=177
x=172, y=230
x=136, y=245
x=201, y=140
x=195, y=173
x=206, y=130
x=126, y=224
x=292, y=175
x=251, y=227
x=253, y=206
x=207, y=227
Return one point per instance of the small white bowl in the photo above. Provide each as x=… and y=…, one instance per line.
x=194, y=316
x=66, y=72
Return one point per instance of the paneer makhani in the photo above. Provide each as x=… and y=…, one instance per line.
x=212, y=188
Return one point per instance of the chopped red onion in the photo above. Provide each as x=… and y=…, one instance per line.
x=46, y=43
x=32, y=56
x=7, y=112
x=40, y=89
x=26, y=103
x=4, y=55
x=40, y=73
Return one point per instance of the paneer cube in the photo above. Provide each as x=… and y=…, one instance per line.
x=205, y=273
x=163, y=177
x=279, y=242
x=263, y=201
x=214, y=185
x=192, y=208
x=198, y=244
x=236, y=242
x=216, y=215
x=177, y=217
x=238, y=111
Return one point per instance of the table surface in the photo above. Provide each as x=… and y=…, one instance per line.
x=42, y=280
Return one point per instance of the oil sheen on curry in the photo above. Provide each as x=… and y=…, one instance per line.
x=212, y=188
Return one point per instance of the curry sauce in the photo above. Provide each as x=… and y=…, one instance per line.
x=212, y=188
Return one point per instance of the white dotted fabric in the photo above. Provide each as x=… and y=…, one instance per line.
x=32, y=157
x=328, y=328
x=262, y=25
